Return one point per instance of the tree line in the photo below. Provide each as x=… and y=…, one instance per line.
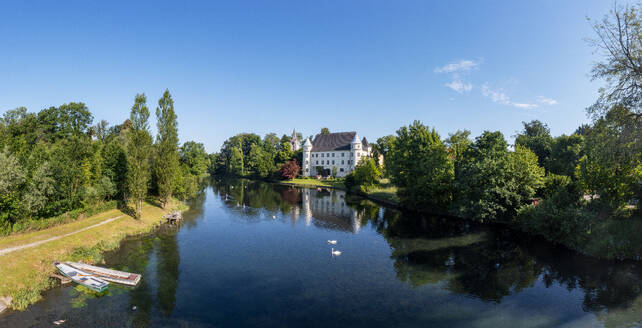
x=55, y=161
x=249, y=155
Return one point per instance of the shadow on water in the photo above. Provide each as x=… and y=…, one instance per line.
x=491, y=267
x=486, y=263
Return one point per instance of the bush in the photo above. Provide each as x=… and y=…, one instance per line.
x=364, y=176
x=560, y=218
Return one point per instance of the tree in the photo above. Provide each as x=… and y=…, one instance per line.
x=457, y=144
x=194, y=156
x=419, y=166
x=536, y=136
x=492, y=184
x=12, y=177
x=138, y=146
x=364, y=176
x=611, y=166
x=325, y=131
x=260, y=162
x=526, y=174
x=382, y=147
x=289, y=170
x=167, y=157
x=41, y=188
x=566, y=152
x=334, y=171
x=236, y=165
x=619, y=40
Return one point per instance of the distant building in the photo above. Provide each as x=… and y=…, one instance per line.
x=295, y=143
x=342, y=150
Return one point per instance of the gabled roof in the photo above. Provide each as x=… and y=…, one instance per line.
x=333, y=141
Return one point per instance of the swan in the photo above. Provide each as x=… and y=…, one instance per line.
x=337, y=253
x=274, y=216
x=332, y=242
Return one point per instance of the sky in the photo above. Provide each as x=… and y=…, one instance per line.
x=272, y=66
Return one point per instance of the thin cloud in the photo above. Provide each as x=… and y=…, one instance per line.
x=527, y=106
x=546, y=101
x=459, y=66
x=500, y=97
x=496, y=96
x=459, y=86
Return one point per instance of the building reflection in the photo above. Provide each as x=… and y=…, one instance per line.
x=326, y=208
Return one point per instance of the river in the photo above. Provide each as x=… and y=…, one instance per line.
x=253, y=254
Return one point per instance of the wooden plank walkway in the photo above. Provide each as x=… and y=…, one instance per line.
x=40, y=242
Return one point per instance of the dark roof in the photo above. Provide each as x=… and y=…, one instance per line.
x=333, y=141
x=364, y=143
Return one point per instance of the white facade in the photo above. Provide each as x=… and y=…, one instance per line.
x=344, y=160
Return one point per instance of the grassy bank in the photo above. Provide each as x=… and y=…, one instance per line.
x=383, y=192
x=24, y=273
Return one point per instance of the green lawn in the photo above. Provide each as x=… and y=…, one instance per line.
x=315, y=183
x=384, y=191
x=24, y=274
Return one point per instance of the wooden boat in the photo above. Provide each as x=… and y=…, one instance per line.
x=81, y=277
x=120, y=277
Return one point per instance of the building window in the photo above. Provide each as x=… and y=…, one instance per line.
x=321, y=162
x=343, y=154
x=321, y=155
x=307, y=162
x=306, y=170
x=317, y=162
x=332, y=162
x=341, y=170
x=328, y=155
x=332, y=154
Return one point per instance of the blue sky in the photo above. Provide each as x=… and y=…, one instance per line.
x=271, y=66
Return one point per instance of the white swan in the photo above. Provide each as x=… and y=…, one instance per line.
x=336, y=253
x=332, y=242
x=274, y=216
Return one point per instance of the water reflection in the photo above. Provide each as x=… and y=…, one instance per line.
x=461, y=257
x=248, y=253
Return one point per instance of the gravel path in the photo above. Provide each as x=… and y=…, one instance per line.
x=40, y=242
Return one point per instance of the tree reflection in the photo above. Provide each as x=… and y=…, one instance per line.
x=167, y=270
x=488, y=263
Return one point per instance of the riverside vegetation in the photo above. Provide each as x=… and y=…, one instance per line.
x=581, y=190
x=56, y=167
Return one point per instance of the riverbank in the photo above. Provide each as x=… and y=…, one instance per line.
x=384, y=193
x=609, y=238
x=24, y=271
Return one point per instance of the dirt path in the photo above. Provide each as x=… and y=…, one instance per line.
x=40, y=242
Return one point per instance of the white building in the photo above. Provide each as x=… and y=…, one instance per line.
x=342, y=150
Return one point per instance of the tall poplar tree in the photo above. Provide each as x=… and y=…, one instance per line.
x=139, y=142
x=167, y=160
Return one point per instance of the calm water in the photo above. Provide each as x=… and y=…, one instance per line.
x=252, y=254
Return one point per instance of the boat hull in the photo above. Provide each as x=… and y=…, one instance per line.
x=81, y=277
x=120, y=277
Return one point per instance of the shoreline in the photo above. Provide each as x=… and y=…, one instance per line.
x=588, y=250
x=25, y=272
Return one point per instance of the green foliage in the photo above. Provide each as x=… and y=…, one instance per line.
x=419, y=166
x=325, y=131
x=566, y=152
x=138, y=147
x=492, y=183
x=612, y=158
x=167, y=157
x=236, y=165
x=536, y=136
x=194, y=156
x=364, y=176
x=457, y=144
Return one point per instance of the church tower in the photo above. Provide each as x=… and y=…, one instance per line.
x=295, y=143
